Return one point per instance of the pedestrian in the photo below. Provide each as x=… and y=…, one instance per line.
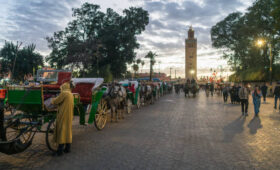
x=237, y=98
x=243, y=95
x=264, y=92
x=225, y=93
x=256, y=95
x=212, y=89
x=231, y=92
x=207, y=88
x=276, y=94
x=64, y=117
x=193, y=81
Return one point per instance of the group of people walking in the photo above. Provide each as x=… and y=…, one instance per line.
x=240, y=94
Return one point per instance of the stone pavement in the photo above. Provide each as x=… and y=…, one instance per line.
x=174, y=133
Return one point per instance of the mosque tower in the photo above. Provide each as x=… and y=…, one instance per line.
x=191, y=55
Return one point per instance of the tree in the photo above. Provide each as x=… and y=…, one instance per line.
x=26, y=60
x=142, y=64
x=151, y=56
x=138, y=61
x=237, y=34
x=276, y=14
x=135, y=68
x=94, y=40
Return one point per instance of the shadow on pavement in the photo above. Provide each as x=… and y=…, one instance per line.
x=233, y=129
x=254, y=125
x=33, y=157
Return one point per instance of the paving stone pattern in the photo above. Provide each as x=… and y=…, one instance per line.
x=174, y=133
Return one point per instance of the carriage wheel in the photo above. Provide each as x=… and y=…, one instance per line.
x=128, y=106
x=101, y=115
x=138, y=104
x=20, y=128
x=51, y=144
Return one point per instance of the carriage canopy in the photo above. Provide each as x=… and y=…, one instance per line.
x=126, y=82
x=96, y=81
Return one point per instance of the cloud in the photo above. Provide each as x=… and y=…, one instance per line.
x=31, y=21
x=171, y=19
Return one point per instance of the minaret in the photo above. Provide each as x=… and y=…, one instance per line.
x=191, y=55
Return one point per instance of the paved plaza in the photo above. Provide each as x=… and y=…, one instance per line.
x=174, y=133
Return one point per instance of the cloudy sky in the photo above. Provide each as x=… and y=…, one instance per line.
x=30, y=21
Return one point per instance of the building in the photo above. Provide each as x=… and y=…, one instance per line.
x=160, y=76
x=191, y=55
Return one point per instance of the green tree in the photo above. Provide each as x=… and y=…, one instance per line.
x=95, y=39
x=142, y=65
x=237, y=34
x=151, y=56
x=26, y=60
x=276, y=14
x=135, y=68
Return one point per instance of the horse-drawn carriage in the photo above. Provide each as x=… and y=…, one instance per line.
x=149, y=92
x=133, y=93
x=191, y=88
x=32, y=109
x=157, y=89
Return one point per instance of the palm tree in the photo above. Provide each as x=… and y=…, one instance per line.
x=135, y=68
x=151, y=56
x=142, y=64
x=138, y=61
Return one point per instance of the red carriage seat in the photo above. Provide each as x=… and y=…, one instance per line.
x=85, y=91
x=3, y=93
x=61, y=78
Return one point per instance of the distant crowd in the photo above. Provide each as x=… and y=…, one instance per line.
x=239, y=94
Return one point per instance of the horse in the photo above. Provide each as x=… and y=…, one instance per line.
x=146, y=94
x=117, y=100
x=194, y=89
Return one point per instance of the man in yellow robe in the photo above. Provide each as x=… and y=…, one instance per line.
x=64, y=117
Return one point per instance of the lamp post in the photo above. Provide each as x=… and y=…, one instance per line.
x=170, y=72
x=261, y=43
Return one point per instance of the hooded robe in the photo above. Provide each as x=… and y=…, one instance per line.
x=64, y=117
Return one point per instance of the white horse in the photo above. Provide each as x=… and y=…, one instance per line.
x=117, y=101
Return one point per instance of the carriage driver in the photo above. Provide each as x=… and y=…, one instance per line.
x=64, y=117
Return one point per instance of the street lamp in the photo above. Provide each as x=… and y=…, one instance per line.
x=261, y=43
x=192, y=72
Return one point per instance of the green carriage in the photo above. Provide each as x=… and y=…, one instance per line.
x=133, y=93
x=157, y=90
x=31, y=112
